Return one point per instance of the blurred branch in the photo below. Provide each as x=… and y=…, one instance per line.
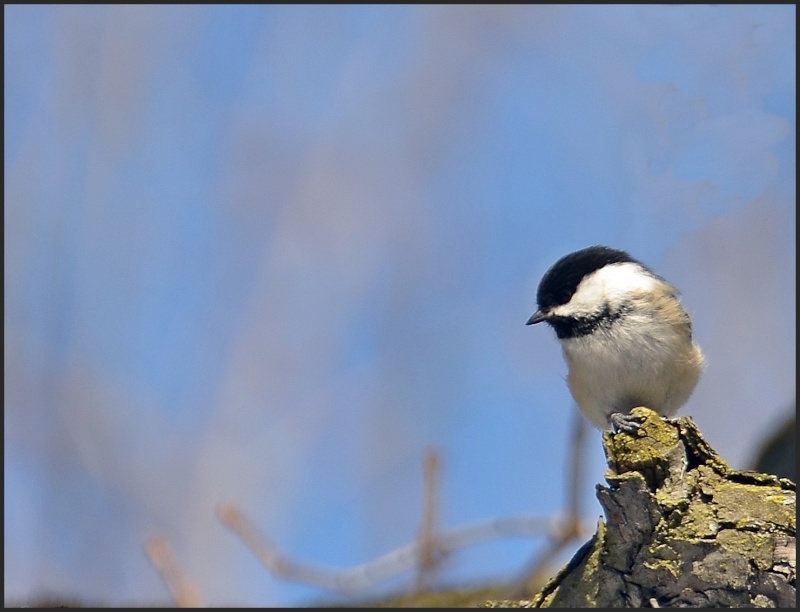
x=360, y=577
x=431, y=552
x=180, y=587
x=430, y=548
x=570, y=528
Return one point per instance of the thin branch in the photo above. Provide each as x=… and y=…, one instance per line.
x=430, y=550
x=358, y=578
x=180, y=587
x=576, y=471
x=570, y=528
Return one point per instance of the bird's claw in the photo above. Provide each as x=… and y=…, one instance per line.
x=628, y=423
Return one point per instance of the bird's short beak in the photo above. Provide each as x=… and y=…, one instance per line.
x=537, y=317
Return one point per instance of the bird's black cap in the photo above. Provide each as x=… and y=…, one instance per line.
x=562, y=279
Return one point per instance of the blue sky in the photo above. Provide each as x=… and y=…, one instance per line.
x=271, y=254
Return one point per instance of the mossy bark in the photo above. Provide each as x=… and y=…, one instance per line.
x=681, y=529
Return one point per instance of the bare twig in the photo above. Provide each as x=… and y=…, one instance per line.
x=359, y=578
x=430, y=547
x=430, y=551
x=576, y=469
x=570, y=528
x=180, y=587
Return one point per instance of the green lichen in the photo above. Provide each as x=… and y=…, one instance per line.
x=646, y=451
x=584, y=572
x=684, y=529
x=700, y=521
x=672, y=566
x=759, y=547
x=753, y=506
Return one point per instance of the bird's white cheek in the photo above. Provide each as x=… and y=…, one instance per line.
x=608, y=287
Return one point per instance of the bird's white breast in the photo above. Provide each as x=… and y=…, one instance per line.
x=638, y=362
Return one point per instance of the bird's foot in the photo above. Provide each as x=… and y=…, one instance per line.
x=628, y=423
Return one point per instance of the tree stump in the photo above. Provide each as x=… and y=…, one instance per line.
x=681, y=529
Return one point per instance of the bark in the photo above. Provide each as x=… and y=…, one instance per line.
x=681, y=529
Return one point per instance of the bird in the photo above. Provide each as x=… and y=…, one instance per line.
x=625, y=336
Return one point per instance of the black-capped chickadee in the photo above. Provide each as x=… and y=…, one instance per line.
x=626, y=338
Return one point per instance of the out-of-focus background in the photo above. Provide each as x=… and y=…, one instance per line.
x=272, y=254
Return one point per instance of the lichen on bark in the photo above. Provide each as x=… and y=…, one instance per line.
x=681, y=529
